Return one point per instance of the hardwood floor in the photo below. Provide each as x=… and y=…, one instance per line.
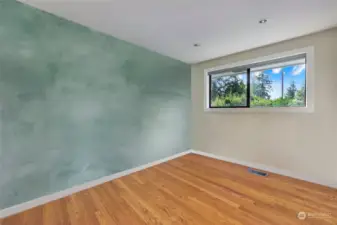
x=192, y=189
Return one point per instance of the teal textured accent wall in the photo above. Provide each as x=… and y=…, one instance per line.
x=77, y=105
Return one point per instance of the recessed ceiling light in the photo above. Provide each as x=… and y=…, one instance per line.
x=196, y=45
x=263, y=21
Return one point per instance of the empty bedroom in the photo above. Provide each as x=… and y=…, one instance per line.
x=194, y=112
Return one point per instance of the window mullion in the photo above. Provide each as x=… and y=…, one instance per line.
x=210, y=91
x=248, y=88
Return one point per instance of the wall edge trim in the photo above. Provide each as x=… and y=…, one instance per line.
x=69, y=191
x=266, y=168
x=61, y=194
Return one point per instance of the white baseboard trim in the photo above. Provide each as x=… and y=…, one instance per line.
x=266, y=168
x=48, y=198
x=52, y=197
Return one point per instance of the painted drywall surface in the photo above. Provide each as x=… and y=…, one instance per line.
x=77, y=105
x=302, y=143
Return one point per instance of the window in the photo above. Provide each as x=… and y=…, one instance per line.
x=229, y=90
x=276, y=83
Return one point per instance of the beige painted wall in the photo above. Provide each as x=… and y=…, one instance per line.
x=305, y=143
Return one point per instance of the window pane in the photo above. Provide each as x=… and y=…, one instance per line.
x=228, y=90
x=279, y=87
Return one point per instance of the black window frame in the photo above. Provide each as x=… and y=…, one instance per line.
x=228, y=107
x=248, y=72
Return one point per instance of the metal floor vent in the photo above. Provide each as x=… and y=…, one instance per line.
x=256, y=172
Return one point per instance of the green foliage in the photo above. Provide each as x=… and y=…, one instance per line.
x=279, y=102
x=291, y=90
x=227, y=86
x=262, y=86
x=258, y=101
x=261, y=102
x=230, y=91
x=300, y=94
x=229, y=101
x=299, y=99
x=293, y=97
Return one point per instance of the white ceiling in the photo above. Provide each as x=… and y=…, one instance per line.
x=222, y=27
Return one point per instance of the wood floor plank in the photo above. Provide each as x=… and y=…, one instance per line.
x=54, y=213
x=266, y=183
x=194, y=190
x=266, y=201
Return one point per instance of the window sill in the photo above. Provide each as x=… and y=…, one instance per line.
x=261, y=110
